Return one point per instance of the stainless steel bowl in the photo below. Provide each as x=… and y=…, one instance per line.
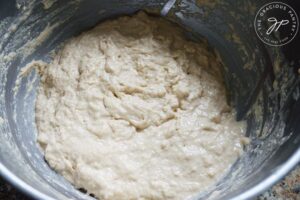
x=263, y=85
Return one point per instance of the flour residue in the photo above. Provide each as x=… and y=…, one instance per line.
x=48, y=3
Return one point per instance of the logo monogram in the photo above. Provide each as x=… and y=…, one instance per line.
x=276, y=25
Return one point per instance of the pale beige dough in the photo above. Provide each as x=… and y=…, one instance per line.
x=133, y=110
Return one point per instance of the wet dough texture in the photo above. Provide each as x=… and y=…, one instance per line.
x=133, y=110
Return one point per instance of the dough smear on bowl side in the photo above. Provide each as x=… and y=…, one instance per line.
x=133, y=110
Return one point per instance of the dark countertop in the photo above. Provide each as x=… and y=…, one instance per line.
x=7, y=192
x=287, y=189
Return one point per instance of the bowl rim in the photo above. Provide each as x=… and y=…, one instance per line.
x=21, y=185
x=264, y=185
x=272, y=179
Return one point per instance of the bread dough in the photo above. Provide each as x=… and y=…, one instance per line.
x=133, y=110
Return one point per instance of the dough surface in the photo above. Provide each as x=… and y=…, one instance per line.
x=133, y=110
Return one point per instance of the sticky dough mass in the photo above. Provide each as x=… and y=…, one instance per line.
x=133, y=110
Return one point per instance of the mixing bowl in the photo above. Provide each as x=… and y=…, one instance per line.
x=262, y=83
